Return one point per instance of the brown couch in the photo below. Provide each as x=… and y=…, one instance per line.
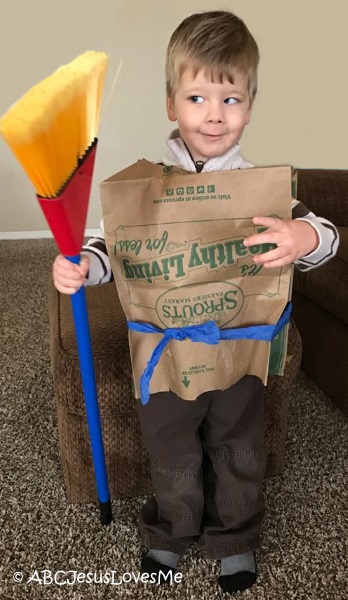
x=320, y=296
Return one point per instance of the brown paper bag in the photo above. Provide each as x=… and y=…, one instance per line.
x=175, y=241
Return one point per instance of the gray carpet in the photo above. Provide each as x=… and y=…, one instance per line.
x=304, y=548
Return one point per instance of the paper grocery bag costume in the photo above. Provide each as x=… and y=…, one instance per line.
x=201, y=314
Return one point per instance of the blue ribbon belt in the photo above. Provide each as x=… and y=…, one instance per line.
x=208, y=333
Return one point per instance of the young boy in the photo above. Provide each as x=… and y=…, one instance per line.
x=207, y=457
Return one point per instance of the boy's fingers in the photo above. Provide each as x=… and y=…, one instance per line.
x=273, y=225
x=68, y=274
x=266, y=237
x=84, y=265
x=266, y=257
x=65, y=289
x=62, y=261
x=69, y=281
x=282, y=262
x=267, y=221
x=257, y=239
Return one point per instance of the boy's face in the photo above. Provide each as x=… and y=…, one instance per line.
x=211, y=116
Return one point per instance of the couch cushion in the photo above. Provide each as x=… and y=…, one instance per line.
x=327, y=285
x=325, y=192
x=107, y=322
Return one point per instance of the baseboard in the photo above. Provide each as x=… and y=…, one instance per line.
x=32, y=235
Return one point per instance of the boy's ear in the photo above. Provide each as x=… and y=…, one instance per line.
x=170, y=109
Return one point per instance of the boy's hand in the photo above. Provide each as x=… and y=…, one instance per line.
x=68, y=277
x=294, y=239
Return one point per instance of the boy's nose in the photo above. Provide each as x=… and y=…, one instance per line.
x=214, y=113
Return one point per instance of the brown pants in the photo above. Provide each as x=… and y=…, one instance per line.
x=207, y=468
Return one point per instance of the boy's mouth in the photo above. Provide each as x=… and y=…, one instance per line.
x=212, y=136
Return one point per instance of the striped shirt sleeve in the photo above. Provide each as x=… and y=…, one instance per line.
x=327, y=233
x=100, y=268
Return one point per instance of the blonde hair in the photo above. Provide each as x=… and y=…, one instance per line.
x=217, y=41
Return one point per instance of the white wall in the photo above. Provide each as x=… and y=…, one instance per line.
x=299, y=116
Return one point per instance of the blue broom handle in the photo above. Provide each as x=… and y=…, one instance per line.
x=84, y=347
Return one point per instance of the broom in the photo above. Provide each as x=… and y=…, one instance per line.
x=52, y=131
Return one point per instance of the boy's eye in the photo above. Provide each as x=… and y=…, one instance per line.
x=196, y=99
x=230, y=101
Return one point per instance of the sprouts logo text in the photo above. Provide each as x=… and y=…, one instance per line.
x=198, y=303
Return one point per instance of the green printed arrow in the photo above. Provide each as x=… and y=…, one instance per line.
x=186, y=381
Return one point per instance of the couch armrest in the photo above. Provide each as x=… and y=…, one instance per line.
x=325, y=192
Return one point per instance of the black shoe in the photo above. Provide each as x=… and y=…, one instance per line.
x=238, y=582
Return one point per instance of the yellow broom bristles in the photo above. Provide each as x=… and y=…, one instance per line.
x=55, y=122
